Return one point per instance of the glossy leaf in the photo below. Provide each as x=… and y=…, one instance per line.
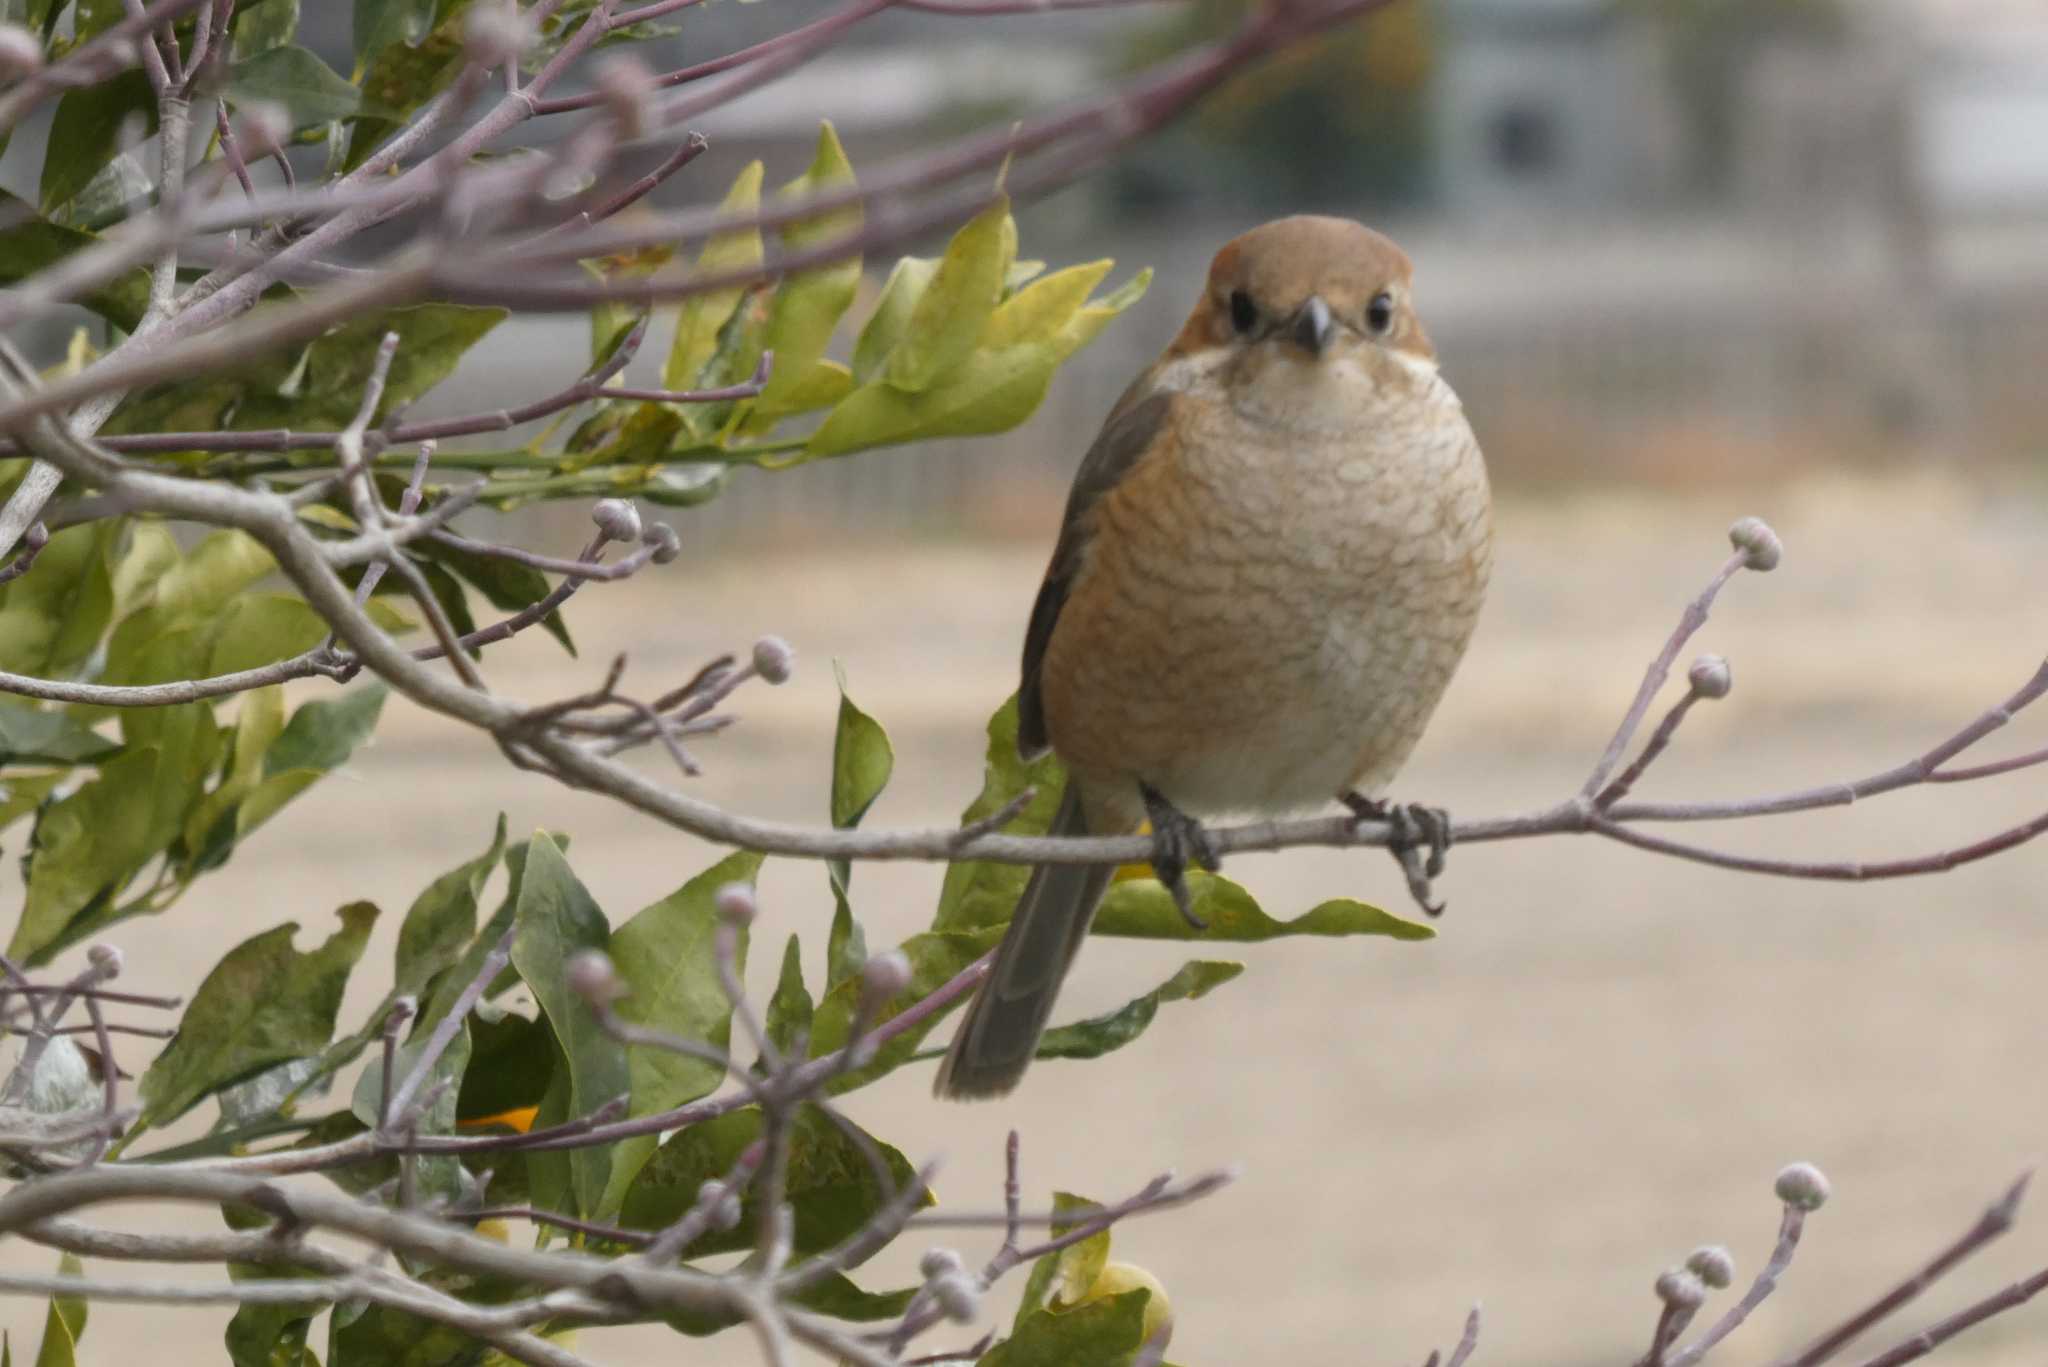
x=1076, y=1266
x=86, y=133
x=666, y=954
x=1141, y=909
x=957, y=303
x=1099, y=1035
x=832, y=1190
x=297, y=79
x=442, y=920
x=977, y=894
x=556, y=918
x=31, y=737
x=808, y=304
x=264, y=1003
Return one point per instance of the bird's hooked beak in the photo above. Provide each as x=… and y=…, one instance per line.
x=1313, y=326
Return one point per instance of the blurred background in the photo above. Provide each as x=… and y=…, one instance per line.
x=1685, y=260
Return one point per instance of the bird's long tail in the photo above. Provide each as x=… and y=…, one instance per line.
x=1000, y=1031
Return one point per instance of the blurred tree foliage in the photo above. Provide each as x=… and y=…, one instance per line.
x=1706, y=46
x=1340, y=120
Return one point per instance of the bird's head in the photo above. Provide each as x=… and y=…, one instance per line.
x=1306, y=310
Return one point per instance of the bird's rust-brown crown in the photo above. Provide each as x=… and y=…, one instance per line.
x=1274, y=268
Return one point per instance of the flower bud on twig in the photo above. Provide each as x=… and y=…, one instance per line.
x=958, y=1296
x=625, y=85
x=20, y=53
x=262, y=127
x=1681, y=1289
x=882, y=977
x=1710, y=677
x=1802, y=1185
x=592, y=977
x=616, y=518
x=774, y=659
x=667, y=545
x=937, y=1262
x=1712, y=1264
x=735, y=902
x=106, y=958
x=495, y=34
x=1753, y=536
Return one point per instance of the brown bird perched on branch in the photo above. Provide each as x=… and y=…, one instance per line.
x=1271, y=561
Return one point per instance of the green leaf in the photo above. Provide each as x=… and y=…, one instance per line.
x=29, y=737
x=807, y=305
x=862, y=760
x=270, y=1335
x=442, y=920
x=556, y=919
x=996, y=387
x=321, y=384
x=667, y=956
x=790, y=1008
x=957, y=304
x=1099, y=1035
x=297, y=79
x=832, y=1189
x=701, y=317
x=835, y=1297
x=887, y=325
x=934, y=959
x=262, y=1004
x=380, y=23
x=85, y=132
x=846, y=945
x=264, y=24
x=1076, y=1266
x=51, y=620
x=322, y=735
x=87, y=846
x=263, y=628
x=1141, y=909
x=976, y=894
x=1104, y=1333
x=439, y=1176
x=508, y=585
x=512, y=1058
x=30, y=245
x=65, y=1323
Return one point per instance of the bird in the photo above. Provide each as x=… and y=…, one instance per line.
x=1271, y=561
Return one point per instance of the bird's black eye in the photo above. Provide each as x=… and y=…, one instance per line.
x=1379, y=314
x=1244, y=314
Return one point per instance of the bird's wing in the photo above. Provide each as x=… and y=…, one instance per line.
x=1133, y=426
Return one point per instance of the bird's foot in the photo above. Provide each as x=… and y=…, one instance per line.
x=1412, y=829
x=1177, y=841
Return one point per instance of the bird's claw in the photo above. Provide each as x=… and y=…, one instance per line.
x=1411, y=828
x=1177, y=841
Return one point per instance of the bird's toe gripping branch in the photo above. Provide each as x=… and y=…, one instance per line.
x=1177, y=841
x=1413, y=828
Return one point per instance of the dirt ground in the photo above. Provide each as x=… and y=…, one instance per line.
x=1599, y=1063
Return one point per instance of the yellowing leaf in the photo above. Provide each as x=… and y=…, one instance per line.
x=807, y=305
x=886, y=325
x=955, y=306
x=701, y=316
